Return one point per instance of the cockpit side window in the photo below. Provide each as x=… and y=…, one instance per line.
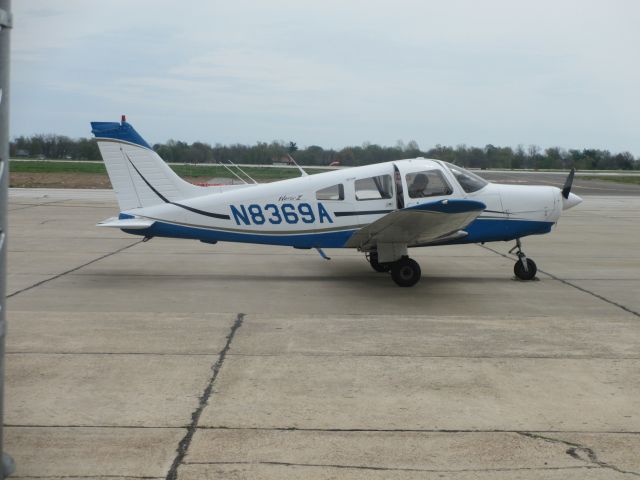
x=428, y=183
x=334, y=192
x=470, y=182
x=374, y=188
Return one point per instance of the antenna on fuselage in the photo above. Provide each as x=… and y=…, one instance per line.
x=304, y=174
x=245, y=173
x=235, y=174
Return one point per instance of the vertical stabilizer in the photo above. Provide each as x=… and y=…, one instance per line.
x=140, y=178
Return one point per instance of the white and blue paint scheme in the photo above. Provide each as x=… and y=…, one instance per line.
x=381, y=209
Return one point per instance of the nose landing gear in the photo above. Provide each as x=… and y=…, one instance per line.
x=524, y=268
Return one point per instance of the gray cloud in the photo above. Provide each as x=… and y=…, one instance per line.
x=333, y=72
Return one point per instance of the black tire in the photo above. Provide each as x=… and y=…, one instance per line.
x=378, y=267
x=529, y=274
x=405, y=272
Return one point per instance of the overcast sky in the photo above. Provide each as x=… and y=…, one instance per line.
x=333, y=73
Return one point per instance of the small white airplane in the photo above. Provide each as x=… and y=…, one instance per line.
x=381, y=209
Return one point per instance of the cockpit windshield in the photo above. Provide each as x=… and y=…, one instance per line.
x=470, y=182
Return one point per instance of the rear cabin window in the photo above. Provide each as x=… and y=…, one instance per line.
x=334, y=192
x=429, y=183
x=374, y=188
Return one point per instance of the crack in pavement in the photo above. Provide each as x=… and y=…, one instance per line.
x=331, y=430
x=32, y=205
x=183, y=445
x=579, y=452
x=566, y=282
x=74, y=269
x=394, y=469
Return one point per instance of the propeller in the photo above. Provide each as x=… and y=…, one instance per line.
x=566, y=190
x=569, y=199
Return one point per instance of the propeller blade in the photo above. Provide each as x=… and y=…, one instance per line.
x=566, y=190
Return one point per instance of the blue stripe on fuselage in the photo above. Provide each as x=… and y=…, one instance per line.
x=480, y=230
x=309, y=240
x=496, y=230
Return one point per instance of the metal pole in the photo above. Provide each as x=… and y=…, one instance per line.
x=5, y=28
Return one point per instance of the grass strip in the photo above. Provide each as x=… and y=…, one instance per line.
x=633, y=180
x=208, y=171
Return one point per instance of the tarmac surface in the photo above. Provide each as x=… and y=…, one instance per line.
x=177, y=359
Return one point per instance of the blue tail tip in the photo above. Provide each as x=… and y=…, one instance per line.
x=118, y=131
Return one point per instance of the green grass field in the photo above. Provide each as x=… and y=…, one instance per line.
x=211, y=171
x=259, y=173
x=44, y=166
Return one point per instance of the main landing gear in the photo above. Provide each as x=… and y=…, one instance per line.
x=524, y=268
x=405, y=271
x=372, y=257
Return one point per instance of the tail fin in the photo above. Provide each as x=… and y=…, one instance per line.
x=140, y=178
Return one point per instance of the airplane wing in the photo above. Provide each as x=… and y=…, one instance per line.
x=419, y=224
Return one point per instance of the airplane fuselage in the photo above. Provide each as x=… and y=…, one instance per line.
x=297, y=213
x=381, y=209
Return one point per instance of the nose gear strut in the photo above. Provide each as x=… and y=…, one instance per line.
x=524, y=268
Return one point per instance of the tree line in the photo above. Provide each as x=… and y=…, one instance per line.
x=489, y=156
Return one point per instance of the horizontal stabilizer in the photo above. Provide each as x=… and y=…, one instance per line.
x=126, y=223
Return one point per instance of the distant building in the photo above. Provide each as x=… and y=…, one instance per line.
x=283, y=161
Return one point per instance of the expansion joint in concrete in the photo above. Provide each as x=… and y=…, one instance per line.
x=569, y=284
x=417, y=355
x=84, y=426
x=394, y=469
x=102, y=257
x=414, y=430
x=184, y=444
x=76, y=477
x=593, y=294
